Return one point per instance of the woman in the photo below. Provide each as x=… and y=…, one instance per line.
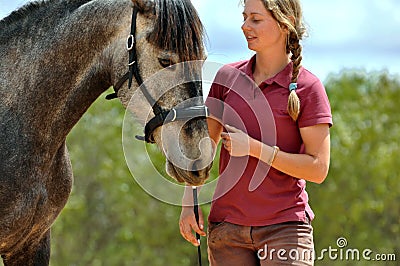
x=265, y=221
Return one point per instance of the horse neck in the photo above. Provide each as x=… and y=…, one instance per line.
x=73, y=67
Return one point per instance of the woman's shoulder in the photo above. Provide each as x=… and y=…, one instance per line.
x=314, y=107
x=307, y=78
x=234, y=67
x=309, y=83
x=238, y=64
x=229, y=72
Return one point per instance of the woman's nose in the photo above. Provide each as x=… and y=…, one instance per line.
x=245, y=25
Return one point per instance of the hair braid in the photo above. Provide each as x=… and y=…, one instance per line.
x=296, y=49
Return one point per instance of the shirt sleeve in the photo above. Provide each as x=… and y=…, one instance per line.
x=215, y=100
x=314, y=106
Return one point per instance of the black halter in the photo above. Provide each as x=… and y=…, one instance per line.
x=161, y=116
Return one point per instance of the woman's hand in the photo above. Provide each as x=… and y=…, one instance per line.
x=236, y=142
x=188, y=224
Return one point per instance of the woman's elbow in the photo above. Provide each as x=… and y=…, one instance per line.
x=321, y=173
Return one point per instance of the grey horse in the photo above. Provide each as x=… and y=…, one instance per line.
x=57, y=58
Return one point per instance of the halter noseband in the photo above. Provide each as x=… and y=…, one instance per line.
x=161, y=116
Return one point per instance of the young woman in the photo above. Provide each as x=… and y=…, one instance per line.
x=277, y=124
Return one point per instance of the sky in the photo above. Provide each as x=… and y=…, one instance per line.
x=343, y=34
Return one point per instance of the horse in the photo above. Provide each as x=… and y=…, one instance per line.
x=57, y=58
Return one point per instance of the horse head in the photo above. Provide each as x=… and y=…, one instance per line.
x=166, y=64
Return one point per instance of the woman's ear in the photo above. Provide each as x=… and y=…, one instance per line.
x=285, y=29
x=292, y=25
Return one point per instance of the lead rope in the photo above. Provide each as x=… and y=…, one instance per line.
x=196, y=215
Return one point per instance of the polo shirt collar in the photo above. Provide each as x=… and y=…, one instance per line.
x=283, y=78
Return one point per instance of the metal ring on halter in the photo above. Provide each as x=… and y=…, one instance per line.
x=174, y=118
x=206, y=110
x=131, y=64
x=130, y=42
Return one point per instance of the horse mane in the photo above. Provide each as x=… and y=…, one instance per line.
x=35, y=7
x=178, y=29
x=20, y=13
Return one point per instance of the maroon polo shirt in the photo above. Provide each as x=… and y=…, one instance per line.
x=250, y=192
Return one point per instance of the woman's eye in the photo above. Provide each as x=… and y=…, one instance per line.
x=165, y=62
x=252, y=20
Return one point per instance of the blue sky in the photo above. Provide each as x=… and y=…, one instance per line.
x=361, y=34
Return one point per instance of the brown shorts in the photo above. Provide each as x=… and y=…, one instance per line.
x=280, y=244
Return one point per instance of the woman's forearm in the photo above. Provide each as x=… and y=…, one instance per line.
x=312, y=166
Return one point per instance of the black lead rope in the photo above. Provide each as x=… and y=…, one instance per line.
x=196, y=214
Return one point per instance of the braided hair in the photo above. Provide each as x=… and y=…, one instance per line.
x=288, y=13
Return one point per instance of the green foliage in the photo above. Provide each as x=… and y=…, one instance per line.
x=360, y=198
x=110, y=220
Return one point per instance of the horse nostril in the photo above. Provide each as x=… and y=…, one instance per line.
x=200, y=169
x=196, y=167
x=196, y=173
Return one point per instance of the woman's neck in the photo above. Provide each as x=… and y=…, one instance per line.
x=268, y=65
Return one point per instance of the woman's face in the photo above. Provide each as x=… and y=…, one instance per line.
x=261, y=30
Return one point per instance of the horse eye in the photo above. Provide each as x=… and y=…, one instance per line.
x=164, y=62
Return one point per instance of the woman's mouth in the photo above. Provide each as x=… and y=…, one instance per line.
x=250, y=38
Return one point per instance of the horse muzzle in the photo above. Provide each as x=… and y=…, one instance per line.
x=192, y=177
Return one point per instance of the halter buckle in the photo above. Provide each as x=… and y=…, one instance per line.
x=130, y=42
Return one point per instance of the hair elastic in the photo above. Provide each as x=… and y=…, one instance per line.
x=292, y=87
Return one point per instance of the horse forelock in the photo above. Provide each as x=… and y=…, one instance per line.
x=178, y=29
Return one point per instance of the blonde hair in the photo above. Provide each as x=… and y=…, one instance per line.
x=288, y=14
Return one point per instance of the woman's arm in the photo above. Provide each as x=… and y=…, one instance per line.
x=214, y=129
x=312, y=166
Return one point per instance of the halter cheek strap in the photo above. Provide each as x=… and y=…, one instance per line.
x=134, y=68
x=131, y=47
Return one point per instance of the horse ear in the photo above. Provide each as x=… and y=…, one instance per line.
x=144, y=5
